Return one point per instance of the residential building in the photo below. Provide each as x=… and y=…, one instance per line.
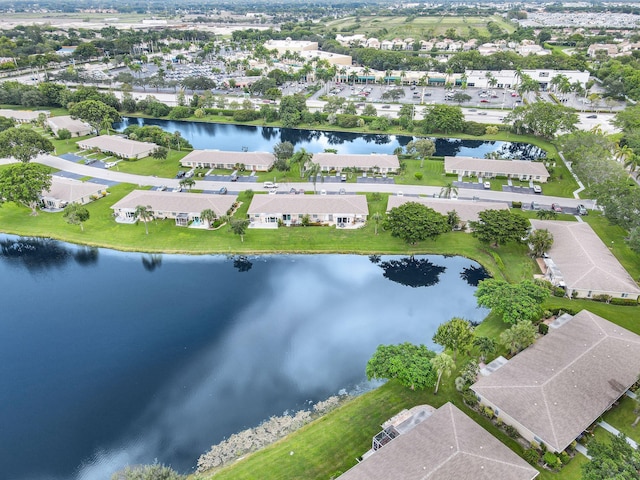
x=22, y=116
x=64, y=191
x=76, y=127
x=343, y=210
x=375, y=162
x=184, y=207
x=442, y=444
x=485, y=168
x=555, y=389
x=582, y=264
x=118, y=146
x=253, y=161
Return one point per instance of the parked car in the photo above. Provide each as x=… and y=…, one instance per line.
x=535, y=206
x=189, y=174
x=592, y=116
x=273, y=191
x=180, y=174
x=487, y=185
x=323, y=192
x=343, y=178
x=234, y=177
x=293, y=191
x=270, y=185
x=482, y=113
x=162, y=188
x=537, y=189
x=342, y=191
x=223, y=191
x=556, y=208
x=582, y=210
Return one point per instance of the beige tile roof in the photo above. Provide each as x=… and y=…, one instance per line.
x=446, y=446
x=118, y=145
x=339, y=160
x=179, y=202
x=71, y=124
x=309, y=204
x=562, y=383
x=22, y=115
x=70, y=190
x=217, y=156
x=505, y=167
x=584, y=260
x=466, y=209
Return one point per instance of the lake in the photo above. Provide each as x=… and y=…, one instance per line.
x=235, y=138
x=110, y=358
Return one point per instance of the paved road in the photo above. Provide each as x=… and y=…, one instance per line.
x=331, y=188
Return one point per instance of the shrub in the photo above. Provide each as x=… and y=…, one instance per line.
x=623, y=301
x=487, y=412
x=558, y=292
x=602, y=298
x=418, y=175
x=531, y=455
x=564, y=458
x=551, y=460
x=245, y=115
x=515, y=204
x=180, y=112
x=491, y=130
x=511, y=431
x=460, y=384
x=475, y=128
x=470, y=398
x=543, y=328
x=347, y=121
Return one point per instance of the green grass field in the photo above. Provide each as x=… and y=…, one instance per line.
x=622, y=417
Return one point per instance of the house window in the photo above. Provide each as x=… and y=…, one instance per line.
x=537, y=440
x=496, y=411
x=256, y=215
x=589, y=294
x=624, y=295
x=544, y=74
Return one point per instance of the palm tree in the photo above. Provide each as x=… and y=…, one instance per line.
x=546, y=214
x=313, y=170
x=208, y=216
x=632, y=163
x=176, y=137
x=376, y=217
x=144, y=213
x=187, y=183
x=443, y=365
x=486, y=346
x=448, y=190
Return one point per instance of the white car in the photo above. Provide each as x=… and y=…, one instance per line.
x=323, y=192
x=270, y=185
x=537, y=189
x=487, y=185
x=110, y=164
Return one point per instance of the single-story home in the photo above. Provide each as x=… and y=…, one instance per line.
x=375, y=162
x=184, y=207
x=22, y=116
x=118, y=146
x=467, y=210
x=442, y=444
x=76, y=127
x=555, y=389
x=341, y=210
x=485, y=168
x=582, y=264
x=64, y=191
x=253, y=161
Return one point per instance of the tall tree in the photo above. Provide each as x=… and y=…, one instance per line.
x=409, y=364
x=23, y=144
x=612, y=460
x=541, y=241
x=187, y=183
x=443, y=119
x=76, y=214
x=448, y=190
x=239, y=227
x=499, y=227
x=485, y=345
x=144, y=213
x=95, y=113
x=422, y=149
x=443, y=365
x=519, y=336
x=24, y=183
x=515, y=302
x=413, y=222
x=209, y=216
x=543, y=119
x=455, y=335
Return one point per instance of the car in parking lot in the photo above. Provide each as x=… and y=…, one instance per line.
x=342, y=191
x=162, y=188
x=535, y=206
x=180, y=174
x=537, y=189
x=556, y=208
x=582, y=210
x=487, y=185
x=223, y=191
x=293, y=191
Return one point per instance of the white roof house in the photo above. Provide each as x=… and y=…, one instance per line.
x=343, y=210
x=22, y=116
x=445, y=445
x=182, y=206
x=119, y=146
x=289, y=45
x=338, y=161
x=552, y=391
x=485, y=168
x=467, y=210
x=64, y=191
x=76, y=127
x=580, y=262
x=255, y=161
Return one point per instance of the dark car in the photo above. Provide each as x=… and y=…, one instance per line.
x=223, y=191
x=180, y=174
x=592, y=116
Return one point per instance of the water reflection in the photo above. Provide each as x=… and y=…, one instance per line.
x=261, y=139
x=473, y=275
x=242, y=264
x=151, y=262
x=412, y=272
x=37, y=254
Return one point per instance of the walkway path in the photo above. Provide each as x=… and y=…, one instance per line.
x=148, y=180
x=583, y=450
x=616, y=432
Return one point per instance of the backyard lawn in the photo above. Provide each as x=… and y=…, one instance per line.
x=622, y=417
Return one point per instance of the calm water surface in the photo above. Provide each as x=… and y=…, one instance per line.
x=108, y=359
x=262, y=139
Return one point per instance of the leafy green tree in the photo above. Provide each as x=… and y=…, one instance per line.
x=455, y=335
x=239, y=227
x=144, y=213
x=23, y=144
x=486, y=346
x=515, y=302
x=187, y=183
x=448, y=190
x=443, y=365
x=443, y=119
x=409, y=364
x=413, y=222
x=292, y=108
x=160, y=153
x=461, y=97
x=64, y=134
x=369, y=111
x=499, y=227
x=541, y=241
x=283, y=151
x=24, y=183
x=209, y=216
x=95, y=113
x=453, y=219
x=612, y=460
x=519, y=336
x=542, y=119
x=6, y=123
x=76, y=214
x=422, y=149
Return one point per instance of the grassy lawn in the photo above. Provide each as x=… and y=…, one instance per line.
x=165, y=168
x=622, y=417
x=432, y=173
